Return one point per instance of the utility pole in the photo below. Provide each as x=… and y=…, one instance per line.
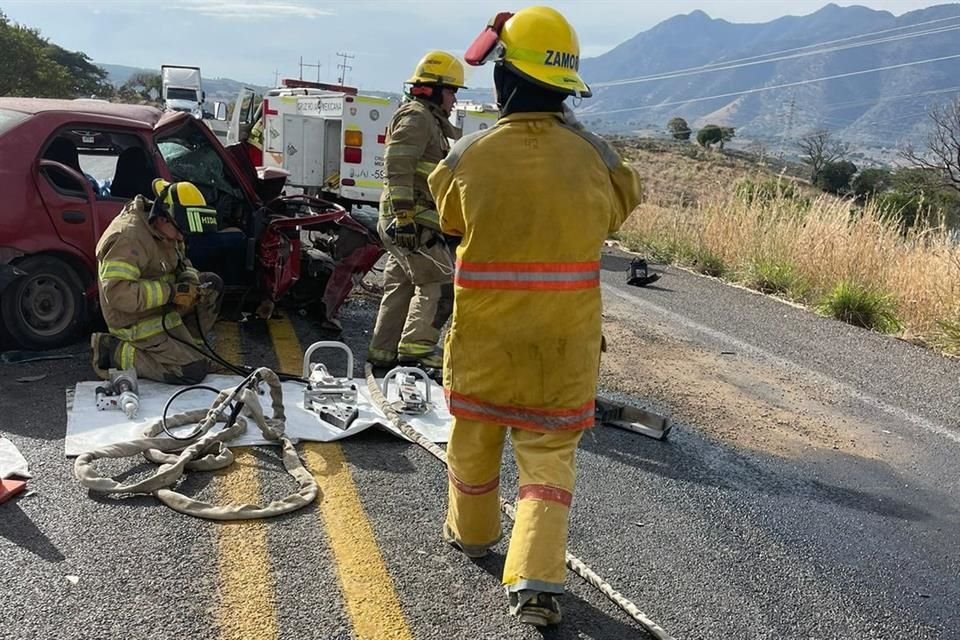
x=344, y=67
x=276, y=77
x=303, y=64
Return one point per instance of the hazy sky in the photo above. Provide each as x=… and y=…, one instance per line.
x=250, y=40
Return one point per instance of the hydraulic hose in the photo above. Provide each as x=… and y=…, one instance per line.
x=216, y=357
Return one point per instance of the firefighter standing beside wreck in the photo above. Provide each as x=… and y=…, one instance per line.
x=533, y=198
x=153, y=300
x=418, y=276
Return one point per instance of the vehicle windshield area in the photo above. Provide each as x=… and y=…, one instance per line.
x=176, y=93
x=9, y=119
x=191, y=156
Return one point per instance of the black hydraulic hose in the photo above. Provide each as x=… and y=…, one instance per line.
x=166, y=409
x=239, y=370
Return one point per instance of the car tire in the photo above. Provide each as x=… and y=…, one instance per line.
x=45, y=308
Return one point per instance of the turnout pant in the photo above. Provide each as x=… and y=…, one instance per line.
x=163, y=358
x=536, y=558
x=417, y=298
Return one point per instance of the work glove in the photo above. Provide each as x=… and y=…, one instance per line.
x=404, y=232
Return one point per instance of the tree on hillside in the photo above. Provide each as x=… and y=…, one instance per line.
x=712, y=134
x=817, y=149
x=140, y=85
x=679, y=129
x=87, y=78
x=835, y=177
x=942, y=153
x=872, y=181
x=26, y=69
x=32, y=66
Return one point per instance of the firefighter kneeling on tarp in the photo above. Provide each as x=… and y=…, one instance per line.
x=533, y=198
x=152, y=298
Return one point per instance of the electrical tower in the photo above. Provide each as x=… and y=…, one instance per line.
x=788, y=129
x=343, y=66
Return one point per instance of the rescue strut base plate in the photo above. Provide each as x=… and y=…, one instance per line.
x=632, y=419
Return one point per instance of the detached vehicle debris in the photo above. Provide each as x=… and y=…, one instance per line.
x=59, y=196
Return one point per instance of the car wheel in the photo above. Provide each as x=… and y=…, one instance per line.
x=45, y=308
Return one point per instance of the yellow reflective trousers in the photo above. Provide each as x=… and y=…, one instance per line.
x=537, y=552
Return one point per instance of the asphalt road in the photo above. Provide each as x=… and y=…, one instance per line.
x=809, y=489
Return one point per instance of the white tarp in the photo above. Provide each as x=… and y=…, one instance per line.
x=12, y=463
x=88, y=428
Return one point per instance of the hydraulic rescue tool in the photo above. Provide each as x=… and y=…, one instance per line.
x=120, y=392
x=411, y=401
x=333, y=399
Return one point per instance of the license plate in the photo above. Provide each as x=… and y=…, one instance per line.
x=87, y=139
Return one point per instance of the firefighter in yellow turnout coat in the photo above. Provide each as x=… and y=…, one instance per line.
x=417, y=290
x=150, y=294
x=533, y=198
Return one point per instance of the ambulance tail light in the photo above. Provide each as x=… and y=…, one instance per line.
x=353, y=138
x=352, y=155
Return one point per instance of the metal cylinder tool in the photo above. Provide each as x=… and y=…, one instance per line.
x=121, y=391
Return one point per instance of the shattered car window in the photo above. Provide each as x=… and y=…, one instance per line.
x=191, y=156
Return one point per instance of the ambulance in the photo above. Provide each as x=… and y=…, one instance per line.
x=331, y=139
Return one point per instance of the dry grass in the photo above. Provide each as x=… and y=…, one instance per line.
x=804, y=249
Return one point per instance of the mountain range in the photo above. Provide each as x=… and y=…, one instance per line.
x=711, y=71
x=872, y=109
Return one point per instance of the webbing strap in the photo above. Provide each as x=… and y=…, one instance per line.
x=206, y=451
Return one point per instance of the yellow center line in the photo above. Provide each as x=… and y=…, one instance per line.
x=368, y=591
x=246, y=608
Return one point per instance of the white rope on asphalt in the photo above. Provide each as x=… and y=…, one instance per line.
x=576, y=565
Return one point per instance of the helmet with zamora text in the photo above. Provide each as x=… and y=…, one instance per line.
x=538, y=44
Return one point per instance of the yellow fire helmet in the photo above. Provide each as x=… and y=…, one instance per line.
x=184, y=205
x=439, y=67
x=537, y=43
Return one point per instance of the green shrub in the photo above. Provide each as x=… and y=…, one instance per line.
x=778, y=278
x=861, y=306
x=768, y=190
x=950, y=335
x=709, y=264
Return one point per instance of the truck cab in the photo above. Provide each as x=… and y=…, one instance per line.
x=182, y=89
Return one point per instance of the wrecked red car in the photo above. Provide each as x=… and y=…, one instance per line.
x=67, y=167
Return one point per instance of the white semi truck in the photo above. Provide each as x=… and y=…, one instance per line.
x=182, y=89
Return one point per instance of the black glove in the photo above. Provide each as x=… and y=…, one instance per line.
x=404, y=231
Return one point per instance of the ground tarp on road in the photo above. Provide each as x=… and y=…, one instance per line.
x=89, y=428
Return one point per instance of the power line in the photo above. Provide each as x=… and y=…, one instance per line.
x=710, y=66
x=773, y=87
x=681, y=74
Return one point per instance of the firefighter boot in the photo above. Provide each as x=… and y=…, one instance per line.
x=103, y=347
x=535, y=607
x=469, y=550
x=430, y=360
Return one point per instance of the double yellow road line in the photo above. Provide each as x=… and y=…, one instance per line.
x=247, y=589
